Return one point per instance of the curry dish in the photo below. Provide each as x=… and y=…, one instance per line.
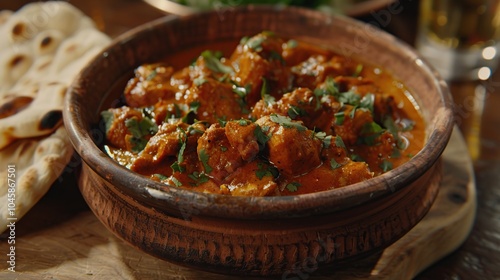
x=271, y=116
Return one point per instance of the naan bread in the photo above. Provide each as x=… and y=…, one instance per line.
x=44, y=45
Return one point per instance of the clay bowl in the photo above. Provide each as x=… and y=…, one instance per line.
x=264, y=235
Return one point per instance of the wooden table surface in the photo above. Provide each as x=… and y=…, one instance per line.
x=477, y=116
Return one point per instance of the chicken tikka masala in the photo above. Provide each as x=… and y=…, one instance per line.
x=274, y=117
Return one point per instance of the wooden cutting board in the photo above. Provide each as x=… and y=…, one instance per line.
x=59, y=240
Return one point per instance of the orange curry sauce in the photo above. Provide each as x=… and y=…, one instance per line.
x=265, y=116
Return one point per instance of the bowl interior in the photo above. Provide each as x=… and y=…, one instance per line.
x=151, y=42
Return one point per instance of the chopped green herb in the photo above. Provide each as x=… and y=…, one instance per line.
x=358, y=70
x=223, y=148
x=242, y=92
x=193, y=110
x=108, y=118
x=386, y=165
x=183, y=142
x=349, y=97
x=294, y=112
x=370, y=133
x=292, y=44
x=274, y=55
x=255, y=43
x=204, y=157
x=160, y=176
x=176, y=167
x=213, y=63
x=368, y=102
x=334, y=164
x=199, y=81
x=339, y=142
x=392, y=127
x=266, y=170
x=222, y=121
x=264, y=93
x=332, y=88
x=356, y=158
x=151, y=75
x=199, y=178
x=140, y=130
x=286, y=122
x=260, y=133
x=244, y=122
x=176, y=181
x=293, y=186
x=339, y=118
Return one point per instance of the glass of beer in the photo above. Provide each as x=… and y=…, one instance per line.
x=460, y=38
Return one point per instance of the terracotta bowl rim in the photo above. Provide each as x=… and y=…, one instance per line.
x=167, y=198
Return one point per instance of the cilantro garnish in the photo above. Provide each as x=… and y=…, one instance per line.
x=176, y=167
x=213, y=63
x=242, y=93
x=357, y=158
x=326, y=139
x=367, y=102
x=266, y=170
x=274, y=55
x=198, y=178
x=108, y=118
x=140, y=131
x=176, y=181
x=152, y=75
x=332, y=88
x=334, y=164
x=339, y=142
x=255, y=43
x=386, y=165
x=369, y=133
x=264, y=93
x=286, y=122
x=260, y=133
x=160, y=176
x=204, y=157
x=193, y=110
x=199, y=81
x=294, y=112
x=339, y=118
x=293, y=186
x=394, y=130
x=358, y=70
x=349, y=97
x=292, y=44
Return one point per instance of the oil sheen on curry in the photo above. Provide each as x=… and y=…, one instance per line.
x=269, y=116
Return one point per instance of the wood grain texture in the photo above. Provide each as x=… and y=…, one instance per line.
x=80, y=247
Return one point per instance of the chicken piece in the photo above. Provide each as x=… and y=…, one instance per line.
x=317, y=68
x=150, y=84
x=351, y=127
x=291, y=147
x=255, y=178
x=213, y=101
x=163, y=148
x=165, y=144
x=218, y=157
x=302, y=105
x=117, y=132
x=258, y=59
x=379, y=153
x=241, y=134
x=325, y=178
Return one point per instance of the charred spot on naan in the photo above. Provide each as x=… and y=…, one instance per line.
x=51, y=120
x=14, y=106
